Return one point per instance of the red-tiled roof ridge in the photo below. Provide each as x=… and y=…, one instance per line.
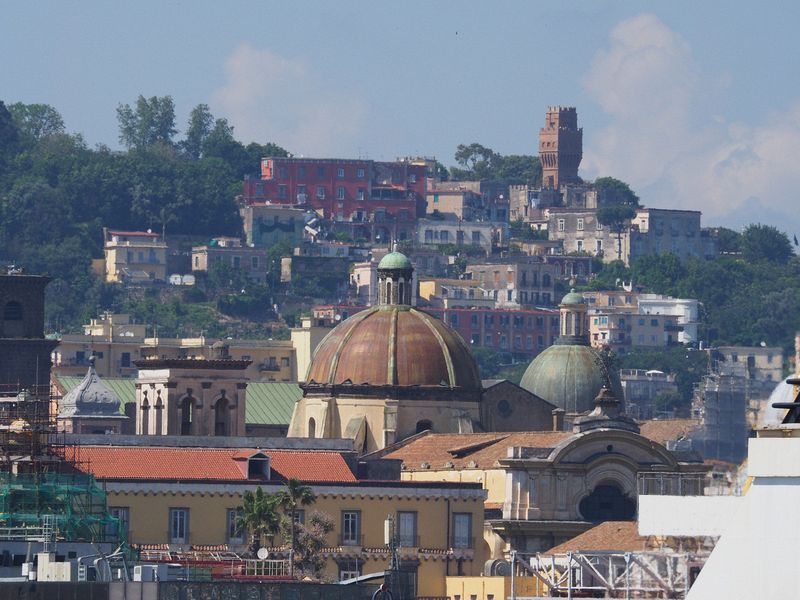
x=208, y=464
x=470, y=448
x=610, y=536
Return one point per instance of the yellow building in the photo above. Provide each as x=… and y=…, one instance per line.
x=183, y=498
x=116, y=342
x=134, y=256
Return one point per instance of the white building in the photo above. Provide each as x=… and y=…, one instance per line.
x=686, y=310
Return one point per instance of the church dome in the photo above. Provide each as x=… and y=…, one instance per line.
x=395, y=260
x=394, y=345
x=573, y=297
x=569, y=376
x=90, y=398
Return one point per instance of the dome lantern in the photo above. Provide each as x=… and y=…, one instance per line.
x=395, y=278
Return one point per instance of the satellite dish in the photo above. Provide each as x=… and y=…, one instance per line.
x=262, y=553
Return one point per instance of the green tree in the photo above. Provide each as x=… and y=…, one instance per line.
x=36, y=121
x=259, y=516
x=290, y=499
x=477, y=162
x=200, y=124
x=616, y=217
x=614, y=191
x=312, y=537
x=729, y=241
x=765, y=243
x=150, y=121
x=9, y=135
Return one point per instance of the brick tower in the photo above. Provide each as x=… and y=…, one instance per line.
x=560, y=147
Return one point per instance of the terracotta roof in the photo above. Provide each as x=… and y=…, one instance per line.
x=664, y=430
x=464, y=449
x=611, y=536
x=228, y=464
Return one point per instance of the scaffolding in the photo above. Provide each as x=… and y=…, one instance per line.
x=45, y=491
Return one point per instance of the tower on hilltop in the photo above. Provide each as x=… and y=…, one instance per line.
x=560, y=146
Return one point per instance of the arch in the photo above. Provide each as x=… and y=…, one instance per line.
x=222, y=417
x=187, y=415
x=159, y=416
x=424, y=425
x=389, y=292
x=312, y=428
x=145, y=417
x=607, y=502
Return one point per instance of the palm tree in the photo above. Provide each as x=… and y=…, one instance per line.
x=259, y=515
x=294, y=495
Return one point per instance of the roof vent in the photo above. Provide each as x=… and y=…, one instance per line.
x=425, y=465
x=449, y=464
x=472, y=464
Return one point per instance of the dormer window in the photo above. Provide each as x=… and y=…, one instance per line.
x=258, y=466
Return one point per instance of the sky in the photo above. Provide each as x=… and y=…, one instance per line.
x=695, y=104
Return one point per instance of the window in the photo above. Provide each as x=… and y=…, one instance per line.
x=598, y=225
x=283, y=192
x=340, y=193
x=360, y=173
x=281, y=172
x=654, y=322
x=580, y=245
x=488, y=340
x=340, y=173
x=237, y=262
x=462, y=530
x=475, y=339
x=235, y=535
x=454, y=319
x=444, y=237
x=259, y=190
x=125, y=359
x=476, y=238
x=123, y=516
x=320, y=172
x=301, y=172
x=561, y=224
x=599, y=246
x=178, y=525
x=254, y=262
x=580, y=224
x=349, y=569
x=407, y=529
x=351, y=527
x=320, y=192
x=361, y=194
x=412, y=178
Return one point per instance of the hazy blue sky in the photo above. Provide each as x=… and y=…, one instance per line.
x=696, y=104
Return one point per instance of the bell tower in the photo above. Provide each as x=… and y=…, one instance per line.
x=560, y=147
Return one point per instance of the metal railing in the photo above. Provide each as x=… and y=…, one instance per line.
x=671, y=484
x=351, y=540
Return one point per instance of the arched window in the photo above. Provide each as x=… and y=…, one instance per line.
x=389, y=292
x=607, y=503
x=424, y=425
x=159, y=410
x=187, y=415
x=546, y=280
x=145, y=417
x=221, y=417
x=312, y=428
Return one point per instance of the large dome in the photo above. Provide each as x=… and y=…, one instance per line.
x=394, y=345
x=569, y=376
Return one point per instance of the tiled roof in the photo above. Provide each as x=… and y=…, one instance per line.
x=268, y=403
x=664, y=430
x=482, y=450
x=271, y=402
x=611, y=536
x=202, y=464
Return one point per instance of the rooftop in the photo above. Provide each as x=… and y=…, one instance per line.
x=665, y=430
x=611, y=536
x=204, y=464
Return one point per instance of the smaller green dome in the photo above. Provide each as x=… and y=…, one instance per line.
x=573, y=298
x=395, y=260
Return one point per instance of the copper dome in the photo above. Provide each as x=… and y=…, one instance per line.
x=394, y=345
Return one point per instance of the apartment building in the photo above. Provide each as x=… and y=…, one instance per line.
x=134, y=256
x=517, y=283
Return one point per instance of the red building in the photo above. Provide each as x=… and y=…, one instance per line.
x=363, y=192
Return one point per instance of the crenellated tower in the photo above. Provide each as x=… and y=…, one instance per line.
x=560, y=147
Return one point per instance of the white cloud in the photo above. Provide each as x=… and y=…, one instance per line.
x=268, y=97
x=665, y=140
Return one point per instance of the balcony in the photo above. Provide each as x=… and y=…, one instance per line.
x=351, y=540
x=269, y=367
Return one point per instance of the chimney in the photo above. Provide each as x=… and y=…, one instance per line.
x=558, y=419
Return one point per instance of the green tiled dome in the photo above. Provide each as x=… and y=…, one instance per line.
x=569, y=376
x=395, y=260
x=573, y=298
